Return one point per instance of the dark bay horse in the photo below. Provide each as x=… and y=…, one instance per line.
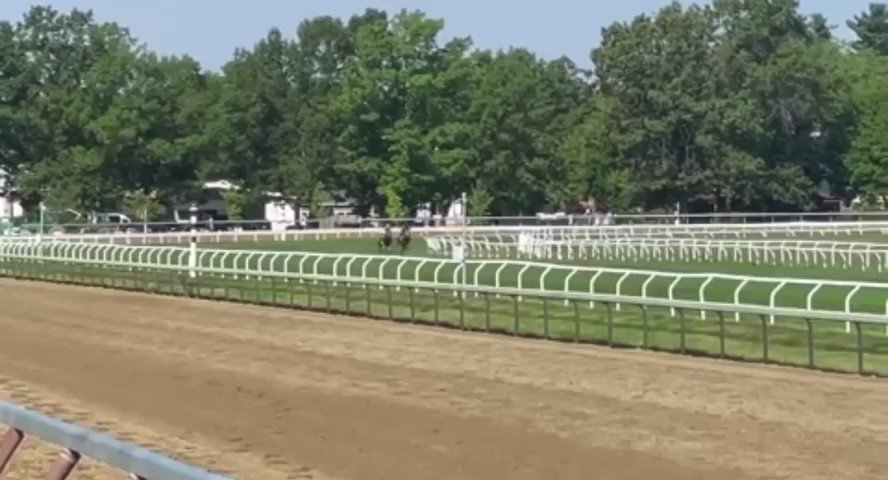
x=385, y=242
x=387, y=239
x=404, y=237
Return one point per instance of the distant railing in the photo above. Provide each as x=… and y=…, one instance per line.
x=77, y=442
x=586, y=232
x=526, y=220
x=865, y=256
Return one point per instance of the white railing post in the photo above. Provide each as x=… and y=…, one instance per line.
x=703, y=296
x=773, y=298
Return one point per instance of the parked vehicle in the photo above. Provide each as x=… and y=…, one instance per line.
x=113, y=222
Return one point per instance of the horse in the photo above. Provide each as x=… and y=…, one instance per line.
x=385, y=242
x=404, y=238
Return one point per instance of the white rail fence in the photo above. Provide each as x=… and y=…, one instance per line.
x=806, y=295
x=763, y=230
x=811, y=253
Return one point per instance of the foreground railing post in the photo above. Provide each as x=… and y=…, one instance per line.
x=515, y=314
x=437, y=310
x=310, y=294
x=462, y=309
x=682, y=333
x=545, y=318
x=8, y=446
x=810, y=342
x=644, y=326
x=721, y=334
x=486, y=311
x=412, y=292
x=576, y=306
x=274, y=290
x=765, y=338
x=63, y=467
x=369, y=300
x=859, y=347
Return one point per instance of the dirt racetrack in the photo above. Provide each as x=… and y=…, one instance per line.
x=275, y=394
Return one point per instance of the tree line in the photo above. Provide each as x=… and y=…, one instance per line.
x=733, y=105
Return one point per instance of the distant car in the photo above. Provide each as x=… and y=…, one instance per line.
x=347, y=221
x=556, y=218
x=112, y=222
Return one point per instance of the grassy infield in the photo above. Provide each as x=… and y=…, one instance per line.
x=787, y=340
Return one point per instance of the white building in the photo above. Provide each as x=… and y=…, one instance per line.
x=280, y=212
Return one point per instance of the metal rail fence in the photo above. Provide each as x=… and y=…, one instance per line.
x=810, y=295
x=577, y=232
x=412, y=300
x=77, y=442
x=566, y=219
x=865, y=256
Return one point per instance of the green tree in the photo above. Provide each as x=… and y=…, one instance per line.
x=101, y=116
x=236, y=201
x=479, y=202
x=143, y=206
x=520, y=109
x=16, y=151
x=871, y=28
x=593, y=167
x=820, y=27
x=655, y=74
x=396, y=110
x=867, y=158
x=735, y=105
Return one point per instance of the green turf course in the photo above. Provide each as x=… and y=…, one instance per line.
x=787, y=340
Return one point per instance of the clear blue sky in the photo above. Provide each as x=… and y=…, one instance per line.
x=210, y=30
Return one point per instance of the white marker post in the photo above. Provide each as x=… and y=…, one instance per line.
x=464, y=247
x=42, y=216
x=192, y=254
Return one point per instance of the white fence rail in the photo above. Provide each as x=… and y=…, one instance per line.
x=865, y=256
x=762, y=230
x=809, y=295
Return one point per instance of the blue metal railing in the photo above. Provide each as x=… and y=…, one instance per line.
x=78, y=441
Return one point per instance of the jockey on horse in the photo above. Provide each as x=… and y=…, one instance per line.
x=386, y=241
x=404, y=237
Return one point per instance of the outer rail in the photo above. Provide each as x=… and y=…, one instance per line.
x=78, y=441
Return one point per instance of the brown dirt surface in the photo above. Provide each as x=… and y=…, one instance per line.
x=275, y=394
